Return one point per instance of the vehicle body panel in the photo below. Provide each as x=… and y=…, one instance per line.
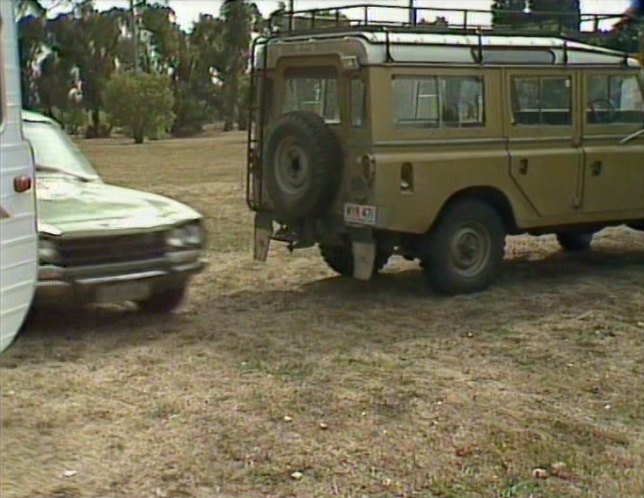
x=105, y=243
x=18, y=237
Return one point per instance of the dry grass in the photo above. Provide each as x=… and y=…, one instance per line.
x=418, y=395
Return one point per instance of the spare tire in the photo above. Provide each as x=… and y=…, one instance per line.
x=303, y=163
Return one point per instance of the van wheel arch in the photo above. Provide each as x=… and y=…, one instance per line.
x=489, y=195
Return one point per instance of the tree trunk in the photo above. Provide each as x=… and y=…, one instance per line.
x=138, y=135
x=231, y=100
x=242, y=120
x=96, y=122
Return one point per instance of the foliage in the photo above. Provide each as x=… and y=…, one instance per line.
x=68, y=61
x=238, y=17
x=561, y=15
x=140, y=102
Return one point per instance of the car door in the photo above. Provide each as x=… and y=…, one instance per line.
x=18, y=238
x=543, y=140
x=614, y=168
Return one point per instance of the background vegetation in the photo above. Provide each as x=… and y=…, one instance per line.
x=67, y=60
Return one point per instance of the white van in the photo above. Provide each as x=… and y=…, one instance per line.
x=18, y=236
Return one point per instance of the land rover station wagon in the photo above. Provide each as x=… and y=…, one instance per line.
x=435, y=143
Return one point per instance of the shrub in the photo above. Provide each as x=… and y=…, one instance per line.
x=141, y=103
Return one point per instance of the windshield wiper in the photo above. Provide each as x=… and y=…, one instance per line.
x=54, y=169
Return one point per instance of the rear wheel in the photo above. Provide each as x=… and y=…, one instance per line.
x=340, y=258
x=164, y=301
x=464, y=252
x=575, y=241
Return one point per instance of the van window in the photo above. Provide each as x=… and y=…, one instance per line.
x=313, y=94
x=438, y=102
x=357, y=102
x=542, y=101
x=614, y=99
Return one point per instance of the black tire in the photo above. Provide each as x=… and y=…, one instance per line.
x=575, y=241
x=340, y=258
x=163, y=302
x=303, y=165
x=466, y=226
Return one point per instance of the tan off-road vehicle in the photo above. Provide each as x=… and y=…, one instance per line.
x=435, y=143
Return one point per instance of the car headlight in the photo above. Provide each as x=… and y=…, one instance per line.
x=185, y=237
x=176, y=238
x=194, y=235
x=47, y=251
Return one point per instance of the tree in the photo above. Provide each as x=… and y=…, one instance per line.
x=90, y=41
x=240, y=19
x=559, y=15
x=31, y=41
x=140, y=102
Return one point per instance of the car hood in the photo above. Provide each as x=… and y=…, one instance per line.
x=68, y=204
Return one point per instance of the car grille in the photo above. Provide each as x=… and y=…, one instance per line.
x=110, y=249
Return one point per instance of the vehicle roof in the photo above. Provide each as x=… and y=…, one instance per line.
x=416, y=46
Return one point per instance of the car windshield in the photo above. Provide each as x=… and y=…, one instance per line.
x=54, y=151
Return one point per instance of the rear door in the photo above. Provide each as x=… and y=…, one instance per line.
x=614, y=171
x=544, y=140
x=18, y=237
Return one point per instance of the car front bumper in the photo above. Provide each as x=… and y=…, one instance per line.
x=118, y=282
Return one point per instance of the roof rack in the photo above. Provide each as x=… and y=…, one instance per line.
x=444, y=20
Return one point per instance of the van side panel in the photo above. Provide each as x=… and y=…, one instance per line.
x=18, y=234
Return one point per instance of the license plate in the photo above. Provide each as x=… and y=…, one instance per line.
x=360, y=214
x=117, y=293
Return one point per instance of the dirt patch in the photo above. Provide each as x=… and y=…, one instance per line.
x=281, y=379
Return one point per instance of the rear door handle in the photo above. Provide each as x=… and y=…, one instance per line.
x=523, y=166
x=596, y=168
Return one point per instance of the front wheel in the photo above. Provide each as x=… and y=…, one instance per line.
x=164, y=301
x=575, y=241
x=464, y=252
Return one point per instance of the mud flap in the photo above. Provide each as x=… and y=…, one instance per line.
x=263, y=232
x=364, y=254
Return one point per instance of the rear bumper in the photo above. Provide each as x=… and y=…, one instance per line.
x=116, y=282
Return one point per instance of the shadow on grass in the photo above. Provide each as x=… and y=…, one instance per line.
x=396, y=305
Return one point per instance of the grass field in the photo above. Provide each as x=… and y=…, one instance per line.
x=281, y=379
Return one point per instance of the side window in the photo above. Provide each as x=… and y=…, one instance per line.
x=313, y=94
x=358, y=102
x=438, y=102
x=614, y=99
x=415, y=102
x=542, y=101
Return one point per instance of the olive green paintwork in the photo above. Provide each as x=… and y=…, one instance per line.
x=546, y=175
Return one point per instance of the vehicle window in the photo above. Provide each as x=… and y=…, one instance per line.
x=53, y=149
x=438, y=102
x=542, y=101
x=614, y=100
x=357, y=102
x=318, y=95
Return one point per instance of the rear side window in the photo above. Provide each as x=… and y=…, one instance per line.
x=438, y=102
x=317, y=94
x=358, y=102
x=544, y=101
x=614, y=99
